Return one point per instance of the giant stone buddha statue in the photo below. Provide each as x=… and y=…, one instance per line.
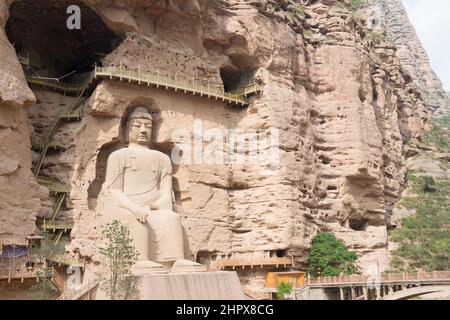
x=138, y=192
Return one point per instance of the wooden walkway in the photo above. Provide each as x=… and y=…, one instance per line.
x=22, y=274
x=251, y=263
x=188, y=87
x=17, y=274
x=70, y=89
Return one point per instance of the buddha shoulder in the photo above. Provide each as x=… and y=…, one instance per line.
x=116, y=155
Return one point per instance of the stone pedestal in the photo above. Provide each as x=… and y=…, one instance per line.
x=191, y=286
x=188, y=286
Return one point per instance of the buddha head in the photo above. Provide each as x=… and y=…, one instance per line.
x=139, y=127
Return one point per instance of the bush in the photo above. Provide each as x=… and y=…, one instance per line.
x=283, y=289
x=429, y=185
x=330, y=257
x=358, y=4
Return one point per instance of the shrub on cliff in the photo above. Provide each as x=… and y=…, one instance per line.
x=330, y=257
x=284, y=289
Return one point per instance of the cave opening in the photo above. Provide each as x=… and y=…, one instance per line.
x=38, y=30
x=358, y=224
x=281, y=253
x=233, y=79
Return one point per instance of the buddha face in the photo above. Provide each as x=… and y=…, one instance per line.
x=140, y=131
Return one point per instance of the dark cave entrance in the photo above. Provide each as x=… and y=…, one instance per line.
x=233, y=79
x=358, y=224
x=38, y=29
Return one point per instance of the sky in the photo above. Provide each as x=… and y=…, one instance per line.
x=431, y=19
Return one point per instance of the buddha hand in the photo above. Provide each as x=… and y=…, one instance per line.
x=141, y=214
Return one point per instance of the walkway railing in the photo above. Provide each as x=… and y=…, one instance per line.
x=386, y=278
x=56, y=226
x=78, y=294
x=17, y=274
x=20, y=274
x=234, y=263
x=58, y=281
x=54, y=84
x=187, y=86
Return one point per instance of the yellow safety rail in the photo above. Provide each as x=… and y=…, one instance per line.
x=55, y=84
x=186, y=86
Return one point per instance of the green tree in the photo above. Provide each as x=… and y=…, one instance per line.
x=119, y=255
x=283, y=289
x=330, y=257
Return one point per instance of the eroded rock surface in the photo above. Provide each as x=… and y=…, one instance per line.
x=343, y=104
x=19, y=193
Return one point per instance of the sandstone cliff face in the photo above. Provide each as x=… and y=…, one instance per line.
x=19, y=192
x=391, y=17
x=338, y=97
x=336, y=93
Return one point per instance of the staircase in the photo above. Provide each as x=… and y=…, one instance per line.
x=78, y=294
x=65, y=115
x=58, y=281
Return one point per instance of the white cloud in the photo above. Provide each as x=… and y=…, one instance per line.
x=432, y=23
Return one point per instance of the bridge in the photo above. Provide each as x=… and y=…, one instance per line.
x=390, y=286
x=416, y=292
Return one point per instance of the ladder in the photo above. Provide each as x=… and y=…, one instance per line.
x=46, y=143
